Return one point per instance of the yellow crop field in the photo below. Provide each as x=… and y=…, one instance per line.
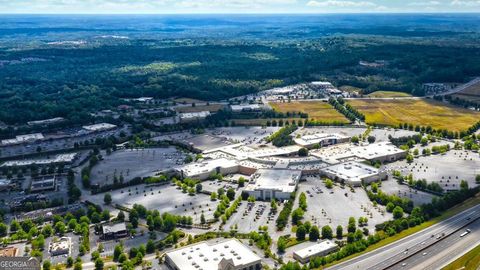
x=422, y=112
x=317, y=110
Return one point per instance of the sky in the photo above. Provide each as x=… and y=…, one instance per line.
x=236, y=6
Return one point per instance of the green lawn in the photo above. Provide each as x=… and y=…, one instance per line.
x=469, y=261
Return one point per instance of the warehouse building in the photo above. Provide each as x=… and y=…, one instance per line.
x=353, y=173
x=27, y=138
x=193, y=116
x=202, y=170
x=242, y=108
x=43, y=184
x=99, y=127
x=321, y=140
x=319, y=249
x=227, y=255
x=267, y=184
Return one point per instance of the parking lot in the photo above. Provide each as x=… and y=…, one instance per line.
x=164, y=198
x=135, y=163
x=334, y=206
x=251, y=215
x=391, y=186
x=247, y=135
x=446, y=169
x=62, y=258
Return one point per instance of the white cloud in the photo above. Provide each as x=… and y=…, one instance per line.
x=341, y=4
x=424, y=4
x=241, y=4
x=467, y=3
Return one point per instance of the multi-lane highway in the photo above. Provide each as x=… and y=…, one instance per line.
x=400, y=251
x=445, y=251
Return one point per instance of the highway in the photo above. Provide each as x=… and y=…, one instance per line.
x=445, y=251
x=390, y=255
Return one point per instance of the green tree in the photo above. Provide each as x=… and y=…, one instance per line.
x=314, y=233
x=231, y=194
x=327, y=232
x=303, y=152
x=397, y=212
x=328, y=183
x=60, y=227
x=281, y=244
x=99, y=264
x=301, y=232
x=69, y=262
x=118, y=250
x=390, y=206
x=339, y=232
x=107, y=198
x=150, y=248
x=241, y=182
x=46, y=265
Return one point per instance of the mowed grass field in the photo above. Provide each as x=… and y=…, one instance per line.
x=387, y=94
x=317, y=110
x=422, y=112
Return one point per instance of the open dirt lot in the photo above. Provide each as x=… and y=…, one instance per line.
x=318, y=110
x=421, y=112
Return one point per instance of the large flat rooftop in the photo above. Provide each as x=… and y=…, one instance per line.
x=284, y=180
x=208, y=256
x=207, y=166
x=351, y=171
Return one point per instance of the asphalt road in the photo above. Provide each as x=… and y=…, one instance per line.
x=389, y=255
x=445, y=251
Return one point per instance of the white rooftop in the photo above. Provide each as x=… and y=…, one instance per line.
x=376, y=150
x=317, y=138
x=313, y=250
x=207, y=166
x=99, y=127
x=60, y=158
x=191, y=115
x=337, y=153
x=203, y=256
x=242, y=107
x=23, y=138
x=352, y=171
x=284, y=180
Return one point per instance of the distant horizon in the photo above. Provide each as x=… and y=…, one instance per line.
x=261, y=13
x=187, y=7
